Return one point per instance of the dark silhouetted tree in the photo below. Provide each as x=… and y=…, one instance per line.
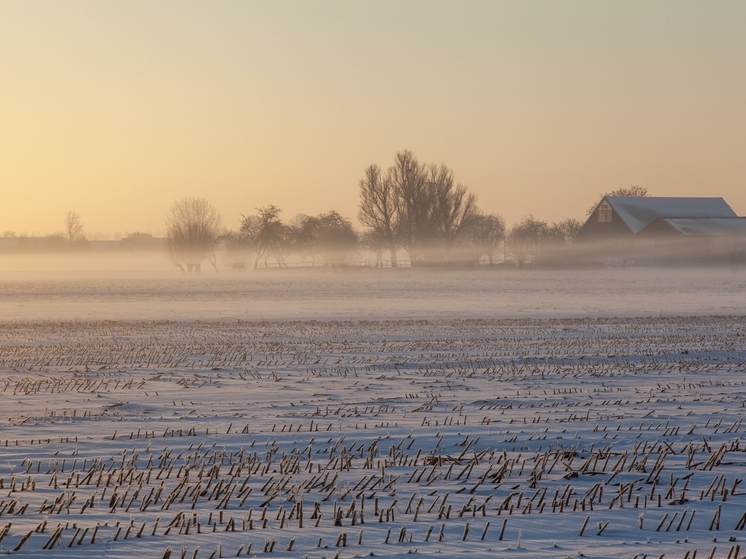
x=563, y=232
x=415, y=204
x=418, y=207
x=268, y=235
x=192, y=232
x=487, y=233
x=379, y=211
x=329, y=235
x=556, y=243
x=524, y=239
x=454, y=209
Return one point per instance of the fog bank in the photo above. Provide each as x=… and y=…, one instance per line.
x=148, y=289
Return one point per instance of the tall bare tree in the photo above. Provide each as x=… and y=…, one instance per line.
x=415, y=203
x=73, y=227
x=379, y=209
x=418, y=207
x=192, y=232
x=454, y=207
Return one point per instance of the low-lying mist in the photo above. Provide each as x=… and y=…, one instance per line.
x=146, y=287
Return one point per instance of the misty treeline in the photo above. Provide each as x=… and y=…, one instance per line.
x=409, y=208
x=194, y=234
x=411, y=213
x=423, y=210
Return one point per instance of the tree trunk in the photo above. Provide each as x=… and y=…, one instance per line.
x=393, y=256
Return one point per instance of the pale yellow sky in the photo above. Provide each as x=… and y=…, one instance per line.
x=116, y=109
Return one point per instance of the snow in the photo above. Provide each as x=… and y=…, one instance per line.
x=486, y=415
x=708, y=226
x=130, y=396
x=637, y=212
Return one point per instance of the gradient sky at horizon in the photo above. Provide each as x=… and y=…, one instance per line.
x=115, y=109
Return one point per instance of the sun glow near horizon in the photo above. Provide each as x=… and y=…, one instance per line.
x=115, y=109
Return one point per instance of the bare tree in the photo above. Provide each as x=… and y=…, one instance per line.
x=454, y=207
x=329, y=235
x=73, y=227
x=487, y=234
x=524, y=239
x=414, y=201
x=557, y=243
x=563, y=232
x=419, y=207
x=633, y=191
x=379, y=210
x=268, y=235
x=192, y=232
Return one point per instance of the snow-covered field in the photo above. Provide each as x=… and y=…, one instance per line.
x=370, y=412
x=352, y=438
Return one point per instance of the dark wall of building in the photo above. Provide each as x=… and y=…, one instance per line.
x=594, y=230
x=683, y=250
x=658, y=228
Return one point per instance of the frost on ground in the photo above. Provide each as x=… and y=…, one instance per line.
x=511, y=438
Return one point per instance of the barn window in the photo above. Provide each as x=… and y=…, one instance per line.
x=604, y=213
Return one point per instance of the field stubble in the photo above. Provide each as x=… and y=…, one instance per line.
x=533, y=438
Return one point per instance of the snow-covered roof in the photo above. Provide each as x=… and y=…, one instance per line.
x=709, y=226
x=637, y=212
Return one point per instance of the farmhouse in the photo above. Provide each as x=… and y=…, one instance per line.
x=665, y=230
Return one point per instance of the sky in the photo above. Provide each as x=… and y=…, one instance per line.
x=115, y=109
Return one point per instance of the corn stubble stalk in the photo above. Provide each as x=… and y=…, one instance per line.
x=447, y=483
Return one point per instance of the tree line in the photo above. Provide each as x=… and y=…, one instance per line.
x=409, y=207
x=412, y=207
